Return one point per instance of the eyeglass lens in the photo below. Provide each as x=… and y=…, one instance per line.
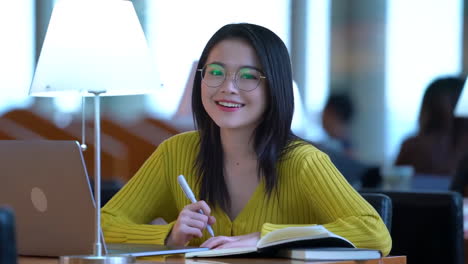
x=246, y=78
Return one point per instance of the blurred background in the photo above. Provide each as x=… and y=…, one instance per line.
x=382, y=54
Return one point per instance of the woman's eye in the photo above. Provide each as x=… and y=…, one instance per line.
x=216, y=73
x=248, y=76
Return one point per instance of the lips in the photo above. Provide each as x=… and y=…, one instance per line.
x=229, y=104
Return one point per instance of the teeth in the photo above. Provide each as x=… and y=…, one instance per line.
x=230, y=104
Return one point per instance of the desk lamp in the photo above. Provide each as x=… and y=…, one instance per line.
x=461, y=109
x=94, y=48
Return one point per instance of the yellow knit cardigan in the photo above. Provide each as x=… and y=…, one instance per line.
x=311, y=192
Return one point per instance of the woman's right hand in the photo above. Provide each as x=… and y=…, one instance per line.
x=190, y=224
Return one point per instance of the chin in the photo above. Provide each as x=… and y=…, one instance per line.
x=237, y=127
x=224, y=125
x=228, y=125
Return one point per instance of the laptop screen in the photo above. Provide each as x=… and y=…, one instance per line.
x=46, y=184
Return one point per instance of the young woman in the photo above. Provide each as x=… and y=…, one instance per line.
x=436, y=147
x=250, y=172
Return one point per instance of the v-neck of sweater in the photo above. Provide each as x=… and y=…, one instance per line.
x=246, y=212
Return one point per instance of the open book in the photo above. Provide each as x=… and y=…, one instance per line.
x=289, y=237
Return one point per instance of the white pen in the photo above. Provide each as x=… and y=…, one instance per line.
x=188, y=192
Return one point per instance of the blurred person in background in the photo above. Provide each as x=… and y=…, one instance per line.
x=435, y=148
x=337, y=116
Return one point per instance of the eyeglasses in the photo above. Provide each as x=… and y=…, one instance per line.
x=245, y=79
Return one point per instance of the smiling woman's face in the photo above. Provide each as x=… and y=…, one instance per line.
x=228, y=106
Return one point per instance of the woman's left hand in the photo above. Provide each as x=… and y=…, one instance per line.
x=249, y=240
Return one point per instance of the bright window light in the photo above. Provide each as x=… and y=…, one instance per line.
x=178, y=30
x=424, y=41
x=317, y=64
x=16, y=53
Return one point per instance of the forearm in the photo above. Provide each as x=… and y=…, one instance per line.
x=341, y=209
x=118, y=230
x=363, y=231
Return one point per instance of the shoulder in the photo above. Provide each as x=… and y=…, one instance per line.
x=418, y=143
x=412, y=140
x=190, y=137
x=187, y=141
x=307, y=163
x=300, y=149
x=300, y=153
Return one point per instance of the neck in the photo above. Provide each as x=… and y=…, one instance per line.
x=237, y=144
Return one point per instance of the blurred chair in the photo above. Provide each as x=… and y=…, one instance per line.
x=11, y=130
x=5, y=136
x=460, y=179
x=372, y=178
x=427, y=227
x=382, y=204
x=114, y=154
x=139, y=149
x=8, y=253
x=153, y=130
x=113, y=162
x=108, y=189
x=38, y=124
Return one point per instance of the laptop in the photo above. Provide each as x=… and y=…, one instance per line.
x=45, y=182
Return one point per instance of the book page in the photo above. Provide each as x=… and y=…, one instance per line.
x=289, y=234
x=221, y=252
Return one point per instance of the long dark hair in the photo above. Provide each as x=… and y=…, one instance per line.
x=438, y=104
x=273, y=135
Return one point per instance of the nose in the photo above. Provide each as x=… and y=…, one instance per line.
x=229, y=84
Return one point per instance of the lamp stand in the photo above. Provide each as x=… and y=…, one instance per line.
x=98, y=257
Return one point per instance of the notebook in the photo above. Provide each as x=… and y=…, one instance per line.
x=329, y=253
x=46, y=184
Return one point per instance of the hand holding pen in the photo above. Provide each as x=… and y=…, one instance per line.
x=188, y=192
x=192, y=219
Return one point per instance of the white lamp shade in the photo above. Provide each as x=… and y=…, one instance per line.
x=462, y=105
x=94, y=45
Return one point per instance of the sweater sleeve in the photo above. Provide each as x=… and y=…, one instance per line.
x=339, y=208
x=126, y=217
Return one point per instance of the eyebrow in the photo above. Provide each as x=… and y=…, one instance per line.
x=238, y=68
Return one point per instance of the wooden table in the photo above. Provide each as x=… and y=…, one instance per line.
x=178, y=259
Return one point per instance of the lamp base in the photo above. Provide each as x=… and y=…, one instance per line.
x=90, y=259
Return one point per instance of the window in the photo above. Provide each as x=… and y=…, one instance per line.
x=16, y=53
x=178, y=30
x=317, y=53
x=424, y=41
